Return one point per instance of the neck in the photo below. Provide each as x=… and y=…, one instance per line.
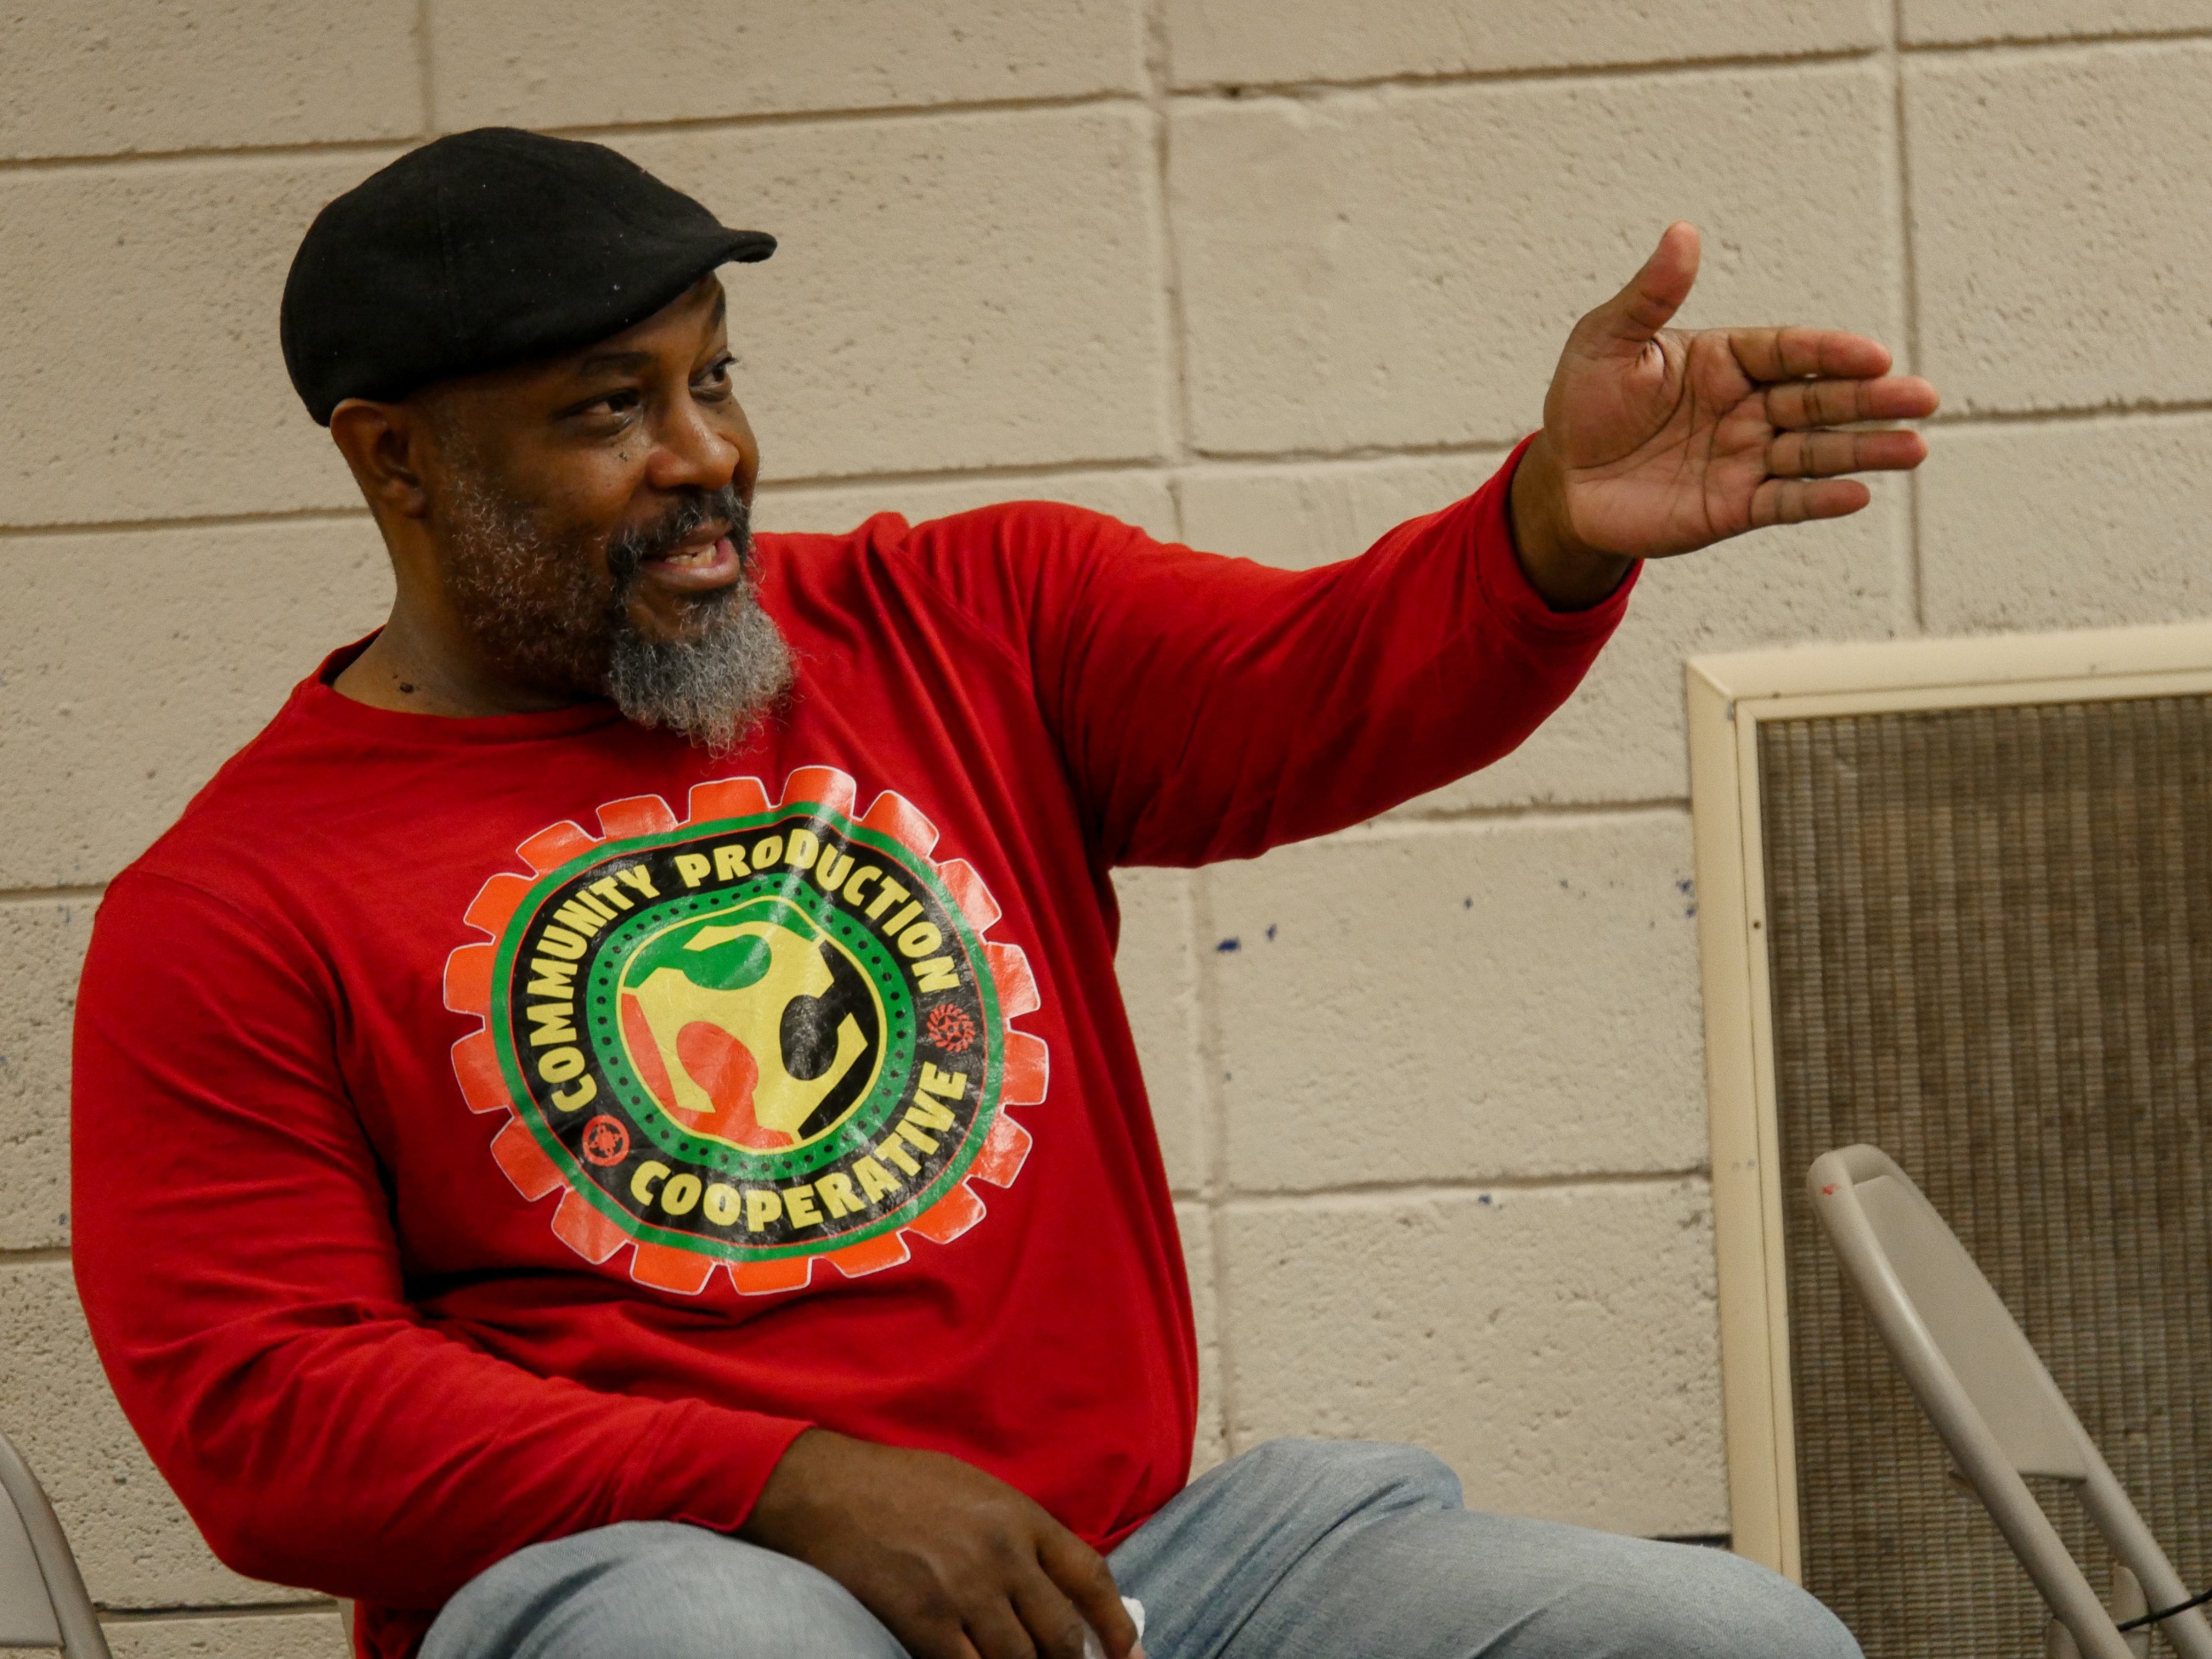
x=423, y=666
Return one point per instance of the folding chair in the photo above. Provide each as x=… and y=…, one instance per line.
x=1995, y=1406
x=43, y=1599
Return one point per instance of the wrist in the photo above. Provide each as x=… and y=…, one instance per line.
x=1567, y=574
x=784, y=1508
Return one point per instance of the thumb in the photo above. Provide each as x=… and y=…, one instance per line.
x=1633, y=318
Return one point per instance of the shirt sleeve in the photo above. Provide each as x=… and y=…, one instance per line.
x=1212, y=707
x=234, y=1251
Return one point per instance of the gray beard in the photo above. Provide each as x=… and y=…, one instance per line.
x=529, y=596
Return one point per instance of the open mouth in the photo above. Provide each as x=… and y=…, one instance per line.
x=708, y=559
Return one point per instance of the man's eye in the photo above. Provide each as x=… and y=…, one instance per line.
x=616, y=402
x=717, y=373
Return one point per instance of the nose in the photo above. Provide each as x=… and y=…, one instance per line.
x=694, y=450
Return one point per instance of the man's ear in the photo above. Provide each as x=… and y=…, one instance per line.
x=387, y=446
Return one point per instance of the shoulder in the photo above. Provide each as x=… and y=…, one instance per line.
x=990, y=561
x=233, y=822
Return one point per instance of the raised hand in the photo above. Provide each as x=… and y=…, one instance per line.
x=1656, y=440
x=954, y=1563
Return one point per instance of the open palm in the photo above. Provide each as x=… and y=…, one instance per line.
x=1667, y=440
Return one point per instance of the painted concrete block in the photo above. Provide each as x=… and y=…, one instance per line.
x=1400, y=266
x=1135, y=496
x=123, y=710
x=133, y=1540
x=951, y=292
x=1929, y=22
x=1300, y=515
x=41, y=948
x=2062, y=225
x=1157, y=964
x=97, y=77
x=1557, y=1347
x=1242, y=43
x=1417, y=1003
x=1620, y=737
x=1210, y=1444
x=316, y=1635
x=584, y=63
x=141, y=340
x=2072, y=524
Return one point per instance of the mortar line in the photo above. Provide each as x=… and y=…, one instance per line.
x=846, y=116
x=1193, y=458
x=2037, y=44
x=1910, y=608
x=51, y=895
x=1199, y=458
x=189, y=521
x=1274, y=1198
x=36, y=1256
x=1911, y=583
x=1173, y=319
x=122, y=159
x=1443, y=448
x=426, y=88
x=425, y=69
x=1403, y=824
x=243, y=1609
x=1214, y=1122
x=2097, y=414
x=1319, y=87
x=1134, y=464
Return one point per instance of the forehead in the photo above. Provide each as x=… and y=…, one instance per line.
x=681, y=327
x=672, y=337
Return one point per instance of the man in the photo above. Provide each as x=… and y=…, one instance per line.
x=609, y=1127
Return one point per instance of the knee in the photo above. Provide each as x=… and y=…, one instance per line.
x=1696, y=1603
x=674, y=1591
x=715, y=1598
x=1361, y=1476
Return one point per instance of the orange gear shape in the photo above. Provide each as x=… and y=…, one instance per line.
x=577, y=1222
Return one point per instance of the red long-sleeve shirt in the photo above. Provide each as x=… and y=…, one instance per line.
x=490, y=1129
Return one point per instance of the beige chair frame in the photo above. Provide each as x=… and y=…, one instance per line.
x=1991, y=1400
x=42, y=1598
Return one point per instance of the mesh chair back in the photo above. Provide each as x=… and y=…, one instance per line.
x=1988, y=1394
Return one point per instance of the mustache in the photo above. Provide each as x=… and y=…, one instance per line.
x=626, y=549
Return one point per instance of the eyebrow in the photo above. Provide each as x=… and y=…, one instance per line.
x=607, y=362
x=631, y=361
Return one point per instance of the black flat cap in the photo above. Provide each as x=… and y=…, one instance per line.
x=484, y=249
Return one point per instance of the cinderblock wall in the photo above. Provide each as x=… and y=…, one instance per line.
x=1265, y=275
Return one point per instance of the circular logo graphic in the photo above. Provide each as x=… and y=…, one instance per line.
x=752, y=1038
x=604, y=1141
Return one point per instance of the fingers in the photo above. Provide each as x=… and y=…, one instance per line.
x=1794, y=501
x=1791, y=353
x=1633, y=317
x=1795, y=404
x=1082, y=1575
x=1055, y=1628
x=1827, y=453
x=1002, y=1629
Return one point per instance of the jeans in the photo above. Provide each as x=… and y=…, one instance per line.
x=1299, y=1549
